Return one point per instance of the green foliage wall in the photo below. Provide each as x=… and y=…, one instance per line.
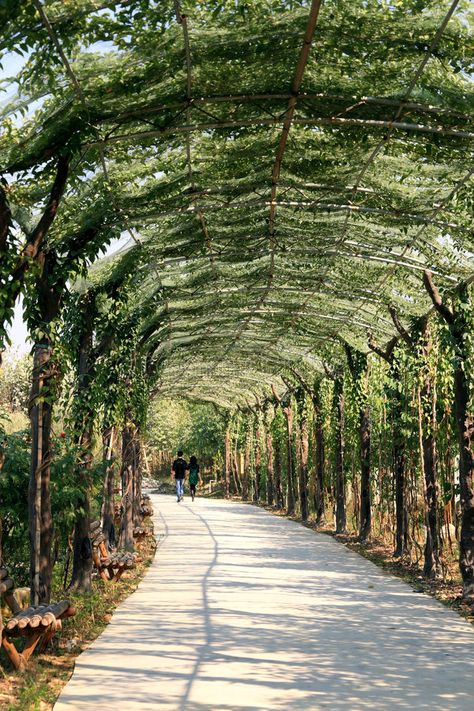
x=15, y=375
x=64, y=495
x=196, y=428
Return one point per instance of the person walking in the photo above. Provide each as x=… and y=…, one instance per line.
x=194, y=476
x=178, y=468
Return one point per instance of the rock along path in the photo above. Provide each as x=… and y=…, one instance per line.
x=243, y=610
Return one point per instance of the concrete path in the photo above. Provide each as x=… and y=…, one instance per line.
x=242, y=610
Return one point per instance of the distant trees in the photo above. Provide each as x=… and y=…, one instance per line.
x=15, y=376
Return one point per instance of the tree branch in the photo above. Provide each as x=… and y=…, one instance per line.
x=275, y=394
x=36, y=239
x=350, y=358
x=386, y=354
x=399, y=326
x=253, y=408
x=289, y=384
x=41, y=229
x=5, y=218
x=302, y=381
x=435, y=297
x=329, y=373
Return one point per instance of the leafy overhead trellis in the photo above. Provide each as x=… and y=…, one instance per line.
x=285, y=170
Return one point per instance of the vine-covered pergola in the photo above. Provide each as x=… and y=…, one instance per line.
x=294, y=178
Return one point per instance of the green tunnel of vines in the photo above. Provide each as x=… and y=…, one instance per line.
x=294, y=184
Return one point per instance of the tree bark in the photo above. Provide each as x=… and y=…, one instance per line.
x=357, y=363
x=427, y=408
x=235, y=469
x=108, y=446
x=432, y=564
x=258, y=463
x=319, y=457
x=340, y=474
x=82, y=550
x=457, y=321
x=278, y=486
x=239, y=471
x=32, y=251
x=465, y=429
x=270, y=469
x=228, y=461
x=137, y=477
x=246, y=470
x=304, y=451
x=39, y=496
x=401, y=532
x=365, y=497
x=84, y=422
x=396, y=399
x=290, y=478
x=128, y=454
x=427, y=429
x=144, y=460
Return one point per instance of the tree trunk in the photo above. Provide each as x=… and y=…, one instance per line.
x=240, y=469
x=278, y=487
x=431, y=566
x=401, y=533
x=2, y=443
x=108, y=446
x=144, y=459
x=246, y=471
x=290, y=483
x=340, y=474
x=228, y=465
x=128, y=455
x=429, y=458
x=258, y=464
x=84, y=420
x=39, y=496
x=457, y=320
x=465, y=429
x=82, y=551
x=270, y=468
x=357, y=363
x=304, y=450
x=365, y=498
x=137, y=478
x=319, y=499
x=235, y=471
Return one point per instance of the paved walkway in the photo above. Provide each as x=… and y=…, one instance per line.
x=242, y=610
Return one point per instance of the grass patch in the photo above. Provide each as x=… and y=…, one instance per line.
x=38, y=688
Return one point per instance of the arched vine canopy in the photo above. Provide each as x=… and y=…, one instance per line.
x=284, y=169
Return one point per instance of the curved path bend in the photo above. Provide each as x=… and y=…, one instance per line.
x=243, y=610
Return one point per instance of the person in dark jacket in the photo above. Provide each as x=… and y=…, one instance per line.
x=194, y=476
x=178, y=469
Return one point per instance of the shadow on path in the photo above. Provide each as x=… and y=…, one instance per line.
x=242, y=610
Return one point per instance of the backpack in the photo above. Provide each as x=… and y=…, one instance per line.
x=179, y=468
